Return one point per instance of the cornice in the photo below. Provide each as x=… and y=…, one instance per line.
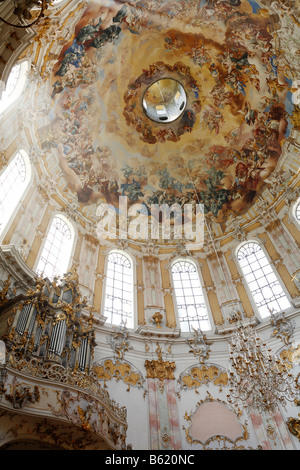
x=16, y=267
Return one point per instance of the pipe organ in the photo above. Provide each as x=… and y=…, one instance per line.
x=52, y=324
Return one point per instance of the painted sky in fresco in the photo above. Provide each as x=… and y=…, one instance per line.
x=225, y=144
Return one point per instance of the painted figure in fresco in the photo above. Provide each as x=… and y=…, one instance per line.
x=88, y=32
x=110, y=33
x=72, y=56
x=234, y=90
x=90, y=35
x=250, y=114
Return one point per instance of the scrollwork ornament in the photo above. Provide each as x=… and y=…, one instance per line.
x=217, y=441
x=120, y=341
x=199, y=346
x=293, y=425
x=160, y=369
x=22, y=394
x=107, y=370
x=282, y=328
x=195, y=377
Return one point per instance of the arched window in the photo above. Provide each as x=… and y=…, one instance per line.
x=15, y=84
x=263, y=284
x=190, y=301
x=13, y=181
x=57, y=249
x=118, y=302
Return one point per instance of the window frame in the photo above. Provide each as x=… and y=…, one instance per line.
x=73, y=235
x=134, y=290
x=19, y=87
x=296, y=205
x=27, y=184
x=204, y=293
x=275, y=272
x=57, y=3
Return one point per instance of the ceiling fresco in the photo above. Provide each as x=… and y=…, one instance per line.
x=223, y=146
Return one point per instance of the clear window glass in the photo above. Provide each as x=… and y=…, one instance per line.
x=14, y=85
x=118, y=303
x=297, y=212
x=57, y=249
x=190, y=301
x=13, y=182
x=263, y=284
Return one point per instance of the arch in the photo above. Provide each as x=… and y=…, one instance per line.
x=56, y=253
x=29, y=444
x=15, y=84
x=118, y=300
x=14, y=180
x=190, y=301
x=296, y=211
x=263, y=283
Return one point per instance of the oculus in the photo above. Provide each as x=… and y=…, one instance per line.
x=164, y=100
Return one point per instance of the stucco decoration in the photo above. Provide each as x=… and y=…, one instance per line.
x=225, y=144
x=20, y=432
x=213, y=423
x=108, y=369
x=195, y=376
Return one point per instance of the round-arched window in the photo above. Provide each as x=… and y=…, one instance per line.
x=190, y=301
x=14, y=180
x=261, y=279
x=56, y=253
x=15, y=85
x=118, y=302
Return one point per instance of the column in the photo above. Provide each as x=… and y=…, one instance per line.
x=210, y=290
x=100, y=275
x=140, y=292
x=167, y=292
x=163, y=412
x=239, y=285
x=40, y=236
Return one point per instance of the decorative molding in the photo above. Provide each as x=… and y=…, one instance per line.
x=153, y=332
x=293, y=425
x=199, y=345
x=282, y=328
x=157, y=319
x=7, y=291
x=89, y=413
x=217, y=441
x=119, y=341
x=21, y=394
x=108, y=369
x=196, y=376
x=160, y=369
x=15, y=266
x=290, y=357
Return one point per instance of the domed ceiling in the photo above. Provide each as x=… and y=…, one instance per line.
x=228, y=138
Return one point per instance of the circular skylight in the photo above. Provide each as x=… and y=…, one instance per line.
x=164, y=100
